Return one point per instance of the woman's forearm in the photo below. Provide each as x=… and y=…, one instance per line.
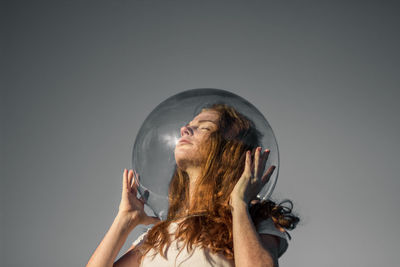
x=109, y=247
x=247, y=245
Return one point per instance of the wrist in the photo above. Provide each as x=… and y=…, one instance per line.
x=126, y=220
x=238, y=204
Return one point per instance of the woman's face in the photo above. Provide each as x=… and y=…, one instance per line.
x=193, y=136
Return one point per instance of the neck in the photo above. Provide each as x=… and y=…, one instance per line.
x=193, y=174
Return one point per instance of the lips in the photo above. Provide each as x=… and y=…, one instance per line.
x=184, y=141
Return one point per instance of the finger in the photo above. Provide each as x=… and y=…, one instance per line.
x=133, y=186
x=125, y=181
x=137, y=177
x=263, y=161
x=252, y=158
x=130, y=176
x=152, y=220
x=267, y=154
x=142, y=200
x=248, y=163
x=134, y=182
x=256, y=162
x=254, y=201
x=267, y=175
x=130, y=179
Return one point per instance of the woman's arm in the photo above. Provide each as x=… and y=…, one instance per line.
x=249, y=247
x=131, y=258
x=131, y=213
x=112, y=242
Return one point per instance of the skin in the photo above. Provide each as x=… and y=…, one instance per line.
x=197, y=132
x=251, y=248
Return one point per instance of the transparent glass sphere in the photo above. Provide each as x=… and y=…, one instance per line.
x=153, y=152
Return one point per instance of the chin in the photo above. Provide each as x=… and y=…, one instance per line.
x=184, y=159
x=180, y=159
x=181, y=164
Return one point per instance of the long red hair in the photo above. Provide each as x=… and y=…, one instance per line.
x=207, y=222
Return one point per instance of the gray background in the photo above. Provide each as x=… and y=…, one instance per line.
x=79, y=78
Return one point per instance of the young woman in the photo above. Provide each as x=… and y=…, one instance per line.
x=214, y=218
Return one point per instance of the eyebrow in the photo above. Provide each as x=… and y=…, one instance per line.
x=204, y=121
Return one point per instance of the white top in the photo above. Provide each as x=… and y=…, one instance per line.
x=202, y=256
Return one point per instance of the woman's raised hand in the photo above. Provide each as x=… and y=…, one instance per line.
x=130, y=205
x=253, y=178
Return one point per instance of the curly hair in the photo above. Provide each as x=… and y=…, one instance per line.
x=208, y=222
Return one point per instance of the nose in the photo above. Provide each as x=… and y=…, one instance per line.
x=186, y=130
